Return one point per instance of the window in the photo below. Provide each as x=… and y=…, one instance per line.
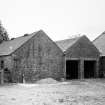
x=2, y=64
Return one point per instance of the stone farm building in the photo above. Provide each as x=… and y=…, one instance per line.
x=81, y=58
x=34, y=56
x=30, y=57
x=99, y=42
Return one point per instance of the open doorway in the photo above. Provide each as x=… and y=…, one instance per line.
x=89, y=69
x=7, y=76
x=72, y=68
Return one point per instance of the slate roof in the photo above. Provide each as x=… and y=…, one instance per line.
x=67, y=43
x=8, y=47
x=99, y=42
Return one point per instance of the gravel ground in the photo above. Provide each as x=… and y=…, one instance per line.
x=76, y=92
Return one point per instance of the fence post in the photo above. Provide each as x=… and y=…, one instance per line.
x=2, y=76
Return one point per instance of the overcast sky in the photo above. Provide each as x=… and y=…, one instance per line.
x=60, y=19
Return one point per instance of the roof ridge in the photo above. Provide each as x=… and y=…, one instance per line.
x=99, y=36
x=69, y=39
x=65, y=44
x=19, y=41
x=24, y=34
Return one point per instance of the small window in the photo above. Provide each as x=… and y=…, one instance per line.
x=2, y=64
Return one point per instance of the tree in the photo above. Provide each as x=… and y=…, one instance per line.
x=3, y=33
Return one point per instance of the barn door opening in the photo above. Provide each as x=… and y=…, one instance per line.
x=72, y=68
x=89, y=69
x=7, y=76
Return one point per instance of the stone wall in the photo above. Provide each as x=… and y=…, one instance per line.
x=38, y=58
x=83, y=48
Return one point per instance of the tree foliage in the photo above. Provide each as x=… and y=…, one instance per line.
x=3, y=33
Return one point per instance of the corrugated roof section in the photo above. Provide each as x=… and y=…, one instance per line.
x=99, y=42
x=67, y=43
x=10, y=46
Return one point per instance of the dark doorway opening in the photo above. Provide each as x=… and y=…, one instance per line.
x=89, y=69
x=72, y=68
x=7, y=76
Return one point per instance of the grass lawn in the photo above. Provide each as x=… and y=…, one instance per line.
x=74, y=92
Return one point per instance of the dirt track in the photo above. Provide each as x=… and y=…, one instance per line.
x=88, y=92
